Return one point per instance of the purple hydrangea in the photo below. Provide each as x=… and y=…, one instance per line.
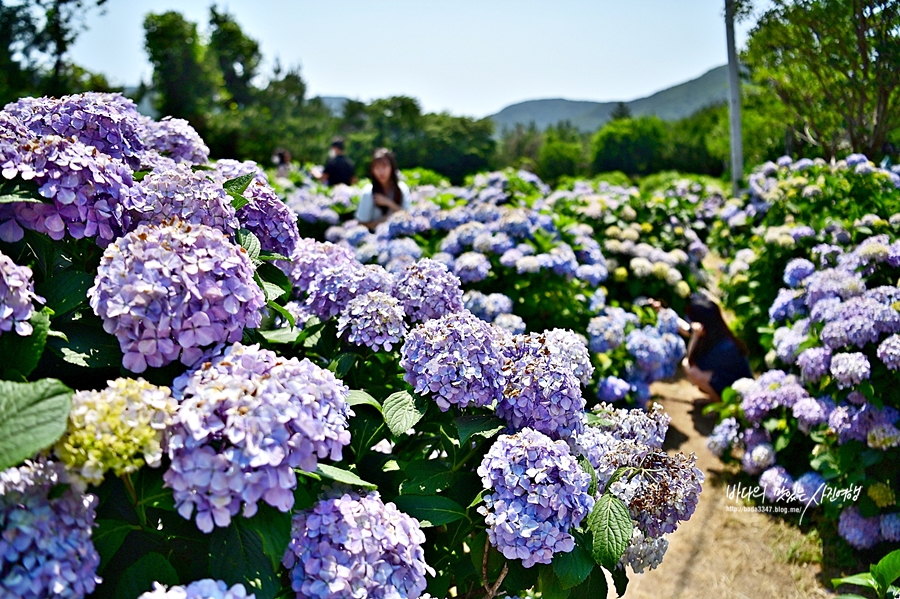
x=246, y=419
x=472, y=267
x=487, y=307
x=573, y=351
x=613, y=389
x=860, y=532
x=273, y=223
x=776, y=482
x=647, y=427
x=850, y=369
x=108, y=122
x=723, y=437
x=228, y=169
x=809, y=488
x=542, y=392
x=512, y=323
x=810, y=412
x=206, y=588
x=352, y=546
x=538, y=492
x=335, y=285
x=889, y=352
x=174, y=138
x=311, y=257
x=373, y=319
x=771, y=390
x=797, y=270
x=17, y=297
x=607, y=331
x=643, y=552
x=890, y=527
x=456, y=359
x=786, y=306
x=758, y=457
x=168, y=291
x=814, y=363
x=427, y=290
x=181, y=193
x=46, y=521
x=85, y=191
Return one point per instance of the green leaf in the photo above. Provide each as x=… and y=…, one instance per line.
x=271, y=290
x=240, y=184
x=33, y=416
x=620, y=579
x=88, y=345
x=573, y=567
x=237, y=555
x=108, y=536
x=268, y=256
x=139, y=577
x=887, y=570
x=427, y=477
x=249, y=242
x=343, y=476
x=284, y=335
x=237, y=200
x=863, y=579
x=20, y=191
x=483, y=426
x=359, y=398
x=22, y=354
x=65, y=291
x=402, y=411
x=342, y=364
x=478, y=498
x=595, y=587
x=152, y=492
x=586, y=466
x=611, y=526
x=550, y=585
x=274, y=529
x=430, y=510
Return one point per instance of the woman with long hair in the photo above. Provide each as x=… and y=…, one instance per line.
x=386, y=194
x=715, y=357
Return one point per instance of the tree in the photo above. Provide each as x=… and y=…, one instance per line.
x=621, y=111
x=561, y=154
x=833, y=64
x=63, y=21
x=185, y=79
x=519, y=146
x=634, y=146
x=18, y=39
x=237, y=55
x=456, y=146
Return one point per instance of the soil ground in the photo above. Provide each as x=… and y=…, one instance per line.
x=719, y=553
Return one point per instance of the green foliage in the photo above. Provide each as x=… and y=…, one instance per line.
x=880, y=578
x=634, y=146
x=32, y=417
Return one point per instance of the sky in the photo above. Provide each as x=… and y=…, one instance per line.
x=466, y=57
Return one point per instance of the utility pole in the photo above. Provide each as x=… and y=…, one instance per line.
x=734, y=102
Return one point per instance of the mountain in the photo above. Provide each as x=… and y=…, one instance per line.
x=669, y=104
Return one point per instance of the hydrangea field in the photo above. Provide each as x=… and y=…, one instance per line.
x=209, y=390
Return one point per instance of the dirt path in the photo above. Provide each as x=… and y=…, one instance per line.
x=719, y=553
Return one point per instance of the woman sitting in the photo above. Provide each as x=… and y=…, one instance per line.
x=386, y=194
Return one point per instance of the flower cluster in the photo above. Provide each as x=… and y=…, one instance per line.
x=46, y=548
x=538, y=492
x=174, y=138
x=120, y=428
x=356, y=546
x=273, y=223
x=168, y=291
x=85, y=191
x=456, y=359
x=427, y=289
x=245, y=420
x=200, y=589
x=373, y=319
x=17, y=297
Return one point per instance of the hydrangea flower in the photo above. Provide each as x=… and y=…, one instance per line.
x=758, y=457
x=119, y=428
x=890, y=527
x=246, y=419
x=352, y=546
x=810, y=412
x=206, y=588
x=168, y=291
x=797, y=270
x=85, y=191
x=472, y=267
x=456, y=359
x=814, y=363
x=332, y=289
x=228, y=169
x=512, y=323
x=183, y=194
x=613, y=389
x=427, y=290
x=311, y=257
x=109, y=122
x=889, y=352
x=723, y=437
x=543, y=391
x=273, y=223
x=776, y=482
x=860, y=532
x=809, y=488
x=643, y=552
x=538, y=492
x=174, y=138
x=17, y=297
x=46, y=521
x=373, y=319
x=850, y=369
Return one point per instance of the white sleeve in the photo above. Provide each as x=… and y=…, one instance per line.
x=407, y=198
x=365, y=211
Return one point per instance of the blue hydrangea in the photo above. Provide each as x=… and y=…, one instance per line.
x=809, y=488
x=456, y=359
x=472, y=267
x=17, y=297
x=811, y=411
x=797, y=270
x=850, y=369
x=311, y=257
x=246, y=419
x=373, y=319
x=174, y=138
x=398, y=248
x=771, y=390
x=538, y=493
x=206, y=588
x=613, y=389
x=758, y=457
x=776, y=483
x=814, y=363
x=889, y=352
x=427, y=289
x=647, y=427
x=336, y=284
x=271, y=221
x=487, y=307
x=890, y=527
x=46, y=521
x=860, y=532
x=510, y=322
x=723, y=437
x=786, y=306
x=356, y=546
x=542, y=392
x=168, y=291
x=643, y=552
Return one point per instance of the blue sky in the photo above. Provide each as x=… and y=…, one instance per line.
x=468, y=57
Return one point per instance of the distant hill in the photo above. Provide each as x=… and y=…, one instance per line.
x=669, y=104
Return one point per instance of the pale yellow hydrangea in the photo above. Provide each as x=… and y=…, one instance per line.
x=882, y=495
x=120, y=428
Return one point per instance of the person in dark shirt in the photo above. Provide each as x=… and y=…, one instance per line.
x=715, y=357
x=339, y=168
